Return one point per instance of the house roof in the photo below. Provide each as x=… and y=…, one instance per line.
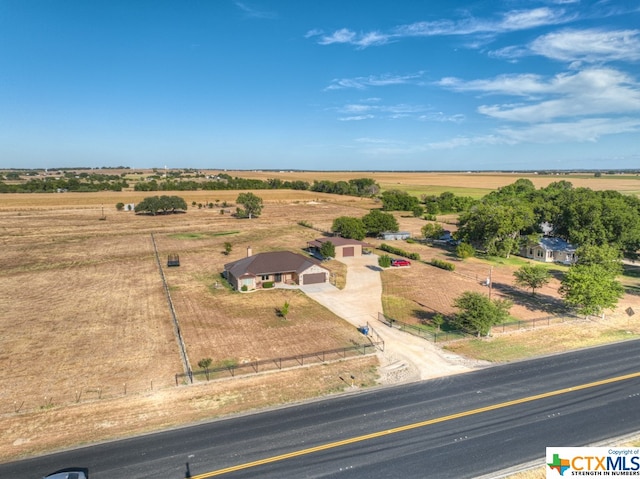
x=337, y=241
x=551, y=243
x=270, y=263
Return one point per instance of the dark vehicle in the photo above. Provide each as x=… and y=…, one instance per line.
x=69, y=473
x=400, y=262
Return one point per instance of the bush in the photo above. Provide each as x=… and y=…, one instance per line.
x=438, y=263
x=384, y=261
x=244, y=288
x=465, y=250
x=267, y=284
x=399, y=252
x=304, y=223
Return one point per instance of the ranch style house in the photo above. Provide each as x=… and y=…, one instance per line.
x=273, y=268
x=550, y=250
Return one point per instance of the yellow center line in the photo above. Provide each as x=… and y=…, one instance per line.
x=408, y=427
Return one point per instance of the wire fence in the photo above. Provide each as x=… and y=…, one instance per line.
x=443, y=336
x=274, y=364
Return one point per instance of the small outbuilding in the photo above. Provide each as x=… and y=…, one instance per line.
x=344, y=247
x=394, y=235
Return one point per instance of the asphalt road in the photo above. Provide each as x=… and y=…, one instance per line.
x=461, y=426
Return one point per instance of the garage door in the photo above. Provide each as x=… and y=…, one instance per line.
x=348, y=251
x=314, y=278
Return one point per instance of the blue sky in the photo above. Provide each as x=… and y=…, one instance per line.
x=329, y=85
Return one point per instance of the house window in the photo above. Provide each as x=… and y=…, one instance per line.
x=264, y=277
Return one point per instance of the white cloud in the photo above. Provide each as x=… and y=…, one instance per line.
x=253, y=12
x=510, y=21
x=589, y=45
x=584, y=130
x=586, y=93
x=581, y=131
x=586, y=46
x=356, y=118
x=373, y=81
x=462, y=141
x=590, y=92
x=314, y=33
x=343, y=35
x=518, y=85
x=376, y=141
x=442, y=117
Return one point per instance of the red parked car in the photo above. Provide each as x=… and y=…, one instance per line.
x=400, y=262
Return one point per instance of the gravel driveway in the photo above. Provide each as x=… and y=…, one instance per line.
x=406, y=357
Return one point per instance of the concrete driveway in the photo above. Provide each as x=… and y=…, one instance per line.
x=406, y=357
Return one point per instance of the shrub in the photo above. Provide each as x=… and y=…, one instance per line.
x=399, y=252
x=438, y=263
x=304, y=223
x=267, y=284
x=244, y=287
x=465, y=250
x=384, y=261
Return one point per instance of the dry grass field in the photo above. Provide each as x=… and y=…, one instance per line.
x=85, y=331
x=84, y=317
x=476, y=184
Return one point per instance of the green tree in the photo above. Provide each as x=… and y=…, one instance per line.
x=478, y=313
x=396, y=200
x=496, y=226
x=438, y=321
x=349, y=227
x=532, y=276
x=252, y=205
x=590, y=285
x=465, y=250
x=164, y=204
x=227, y=248
x=284, y=311
x=384, y=261
x=204, y=364
x=377, y=222
x=120, y=206
x=432, y=230
x=328, y=250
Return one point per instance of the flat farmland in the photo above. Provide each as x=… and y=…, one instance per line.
x=475, y=184
x=85, y=330
x=85, y=326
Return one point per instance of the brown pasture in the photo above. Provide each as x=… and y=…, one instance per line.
x=85, y=320
x=472, y=180
x=85, y=331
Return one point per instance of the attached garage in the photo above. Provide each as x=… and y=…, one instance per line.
x=314, y=278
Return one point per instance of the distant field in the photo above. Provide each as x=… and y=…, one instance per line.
x=468, y=184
